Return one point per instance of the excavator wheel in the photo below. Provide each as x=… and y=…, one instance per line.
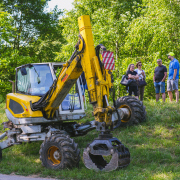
x=59, y=152
x=136, y=108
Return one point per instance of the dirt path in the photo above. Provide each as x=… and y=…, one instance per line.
x=16, y=177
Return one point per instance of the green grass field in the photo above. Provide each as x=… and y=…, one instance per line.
x=154, y=146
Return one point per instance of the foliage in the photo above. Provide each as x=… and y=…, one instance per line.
x=5, y=28
x=109, y=20
x=8, y=63
x=134, y=30
x=154, y=148
x=28, y=34
x=102, y=13
x=31, y=20
x=36, y=32
x=152, y=35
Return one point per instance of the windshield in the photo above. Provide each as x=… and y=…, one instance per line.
x=36, y=81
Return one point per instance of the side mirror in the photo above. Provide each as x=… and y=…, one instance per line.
x=23, y=71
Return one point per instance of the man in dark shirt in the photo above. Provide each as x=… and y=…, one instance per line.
x=160, y=74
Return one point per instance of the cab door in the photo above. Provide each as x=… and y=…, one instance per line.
x=73, y=107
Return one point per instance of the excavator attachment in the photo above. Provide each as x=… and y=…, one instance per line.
x=106, y=153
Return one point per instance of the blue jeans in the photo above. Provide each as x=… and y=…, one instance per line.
x=158, y=86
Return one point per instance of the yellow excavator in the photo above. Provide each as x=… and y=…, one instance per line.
x=33, y=109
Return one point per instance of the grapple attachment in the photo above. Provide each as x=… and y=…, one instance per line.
x=106, y=154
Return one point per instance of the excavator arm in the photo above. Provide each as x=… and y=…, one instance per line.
x=85, y=58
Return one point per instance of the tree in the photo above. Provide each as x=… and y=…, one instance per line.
x=34, y=28
x=5, y=28
x=152, y=35
x=28, y=34
x=110, y=20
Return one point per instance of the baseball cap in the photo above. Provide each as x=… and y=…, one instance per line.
x=170, y=54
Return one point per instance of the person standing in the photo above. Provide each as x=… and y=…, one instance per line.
x=173, y=78
x=133, y=75
x=141, y=74
x=160, y=74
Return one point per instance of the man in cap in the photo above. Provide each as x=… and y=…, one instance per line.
x=173, y=78
x=160, y=74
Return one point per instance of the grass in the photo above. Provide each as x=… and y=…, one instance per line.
x=154, y=146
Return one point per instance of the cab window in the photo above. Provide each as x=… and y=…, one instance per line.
x=35, y=79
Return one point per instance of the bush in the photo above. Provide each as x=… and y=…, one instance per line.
x=8, y=64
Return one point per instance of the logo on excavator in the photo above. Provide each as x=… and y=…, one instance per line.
x=24, y=115
x=64, y=77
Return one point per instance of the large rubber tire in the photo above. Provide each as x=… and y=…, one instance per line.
x=59, y=152
x=136, y=108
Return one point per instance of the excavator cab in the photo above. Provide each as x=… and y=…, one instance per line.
x=37, y=78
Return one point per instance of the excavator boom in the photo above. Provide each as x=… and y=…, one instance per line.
x=85, y=58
